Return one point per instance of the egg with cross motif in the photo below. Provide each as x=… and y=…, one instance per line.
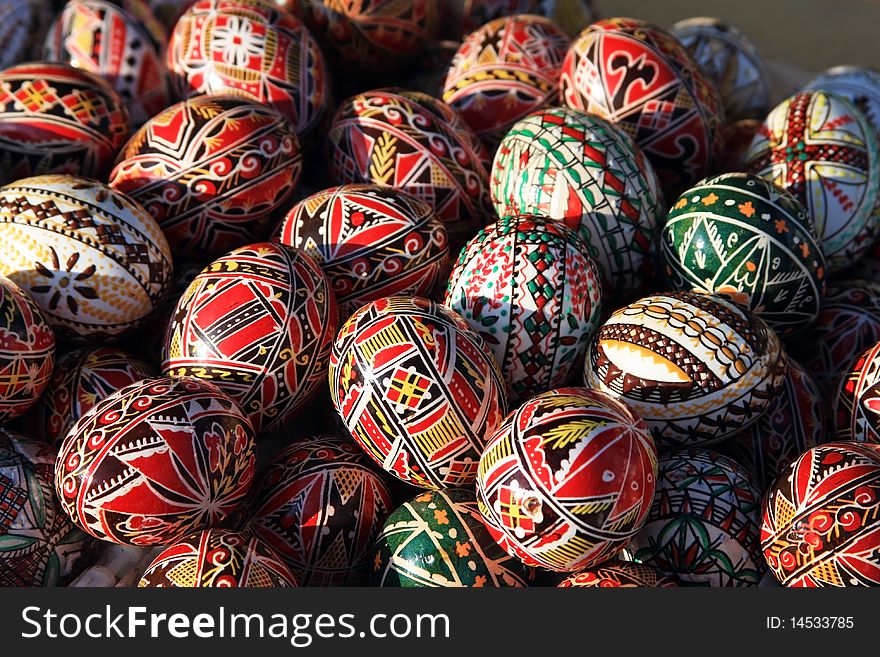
x=822, y=149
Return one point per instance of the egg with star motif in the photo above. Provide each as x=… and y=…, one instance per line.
x=95, y=262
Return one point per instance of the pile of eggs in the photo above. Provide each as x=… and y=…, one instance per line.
x=570, y=304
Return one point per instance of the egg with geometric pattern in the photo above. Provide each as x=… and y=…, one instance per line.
x=438, y=539
x=741, y=236
x=371, y=241
x=119, y=41
x=253, y=49
x=821, y=518
x=217, y=558
x=418, y=389
x=704, y=525
x=567, y=479
x=258, y=322
x=585, y=172
x=641, y=78
x=27, y=351
x=321, y=505
x=530, y=288
x=696, y=367
x=822, y=149
x=505, y=70
x=856, y=410
x=858, y=84
x=55, y=118
x=95, y=261
x=156, y=461
x=212, y=170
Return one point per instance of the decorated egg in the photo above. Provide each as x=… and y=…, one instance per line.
x=704, y=524
x=155, y=461
x=821, y=519
x=82, y=378
x=580, y=169
x=39, y=546
x=250, y=48
x=397, y=139
x=371, y=241
x=732, y=62
x=95, y=262
x=418, y=389
x=822, y=149
x=794, y=423
x=373, y=35
x=464, y=16
x=859, y=85
x=567, y=479
x=505, y=70
x=117, y=43
x=529, y=288
x=218, y=558
x=848, y=323
x=27, y=351
x=619, y=574
x=321, y=506
x=697, y=368
x=741, y=236
x=23, y=26
x=438, y=539
x=259, y=322
x=212, y=171
x=857, y=402
x=641, y=78
x=58, y=119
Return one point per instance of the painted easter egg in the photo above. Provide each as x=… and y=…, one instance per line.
x=212, y=171
x=504, y=71
x=741, y=236
x=438, y=539
x=582, y=170
x=642, y=78
x=82, y=378
x=529, y=288
x=321, y=506
x=250, y=48
x=848, y=324
x=23, y=26
x=259, y=322
x=27, y=351
x=217, y=558
x=418, y=389
x=822, y=149
x=856, y=407
x=567, y=479
x=371, y=241
x=58, y=119
x=794, y=423
x=859, y=85
x=39, y=546
x=114, y=40
x=704, y=524
x=733, y=64
x=821, y=519
x=697, y=368
x=397, y=138
x=95, y=262
x=155, y=461
x=619, y=574
x=373, y=35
